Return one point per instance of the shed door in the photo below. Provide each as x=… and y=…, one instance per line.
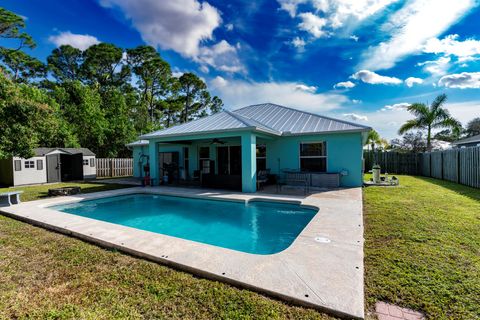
x=53, y=168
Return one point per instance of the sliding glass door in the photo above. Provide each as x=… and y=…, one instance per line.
x=229, y=159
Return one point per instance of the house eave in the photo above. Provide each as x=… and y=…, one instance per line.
x=199, y=133
x=360, y=130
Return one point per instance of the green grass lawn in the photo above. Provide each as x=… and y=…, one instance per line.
x=422, y=247
x=422, y=251
x=41, y=191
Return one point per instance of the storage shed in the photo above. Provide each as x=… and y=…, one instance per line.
x=48, y=165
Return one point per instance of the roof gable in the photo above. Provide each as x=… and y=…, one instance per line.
x=45, y=151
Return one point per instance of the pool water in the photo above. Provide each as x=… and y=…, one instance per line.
x=257, y=227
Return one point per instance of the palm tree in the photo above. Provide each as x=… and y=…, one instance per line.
x=374, y=139
x=428, y=118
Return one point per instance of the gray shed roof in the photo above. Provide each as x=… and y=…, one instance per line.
x=471, y=139
x=39, y=152
x=268, y=118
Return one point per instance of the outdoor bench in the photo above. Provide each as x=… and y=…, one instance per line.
x=9, y=198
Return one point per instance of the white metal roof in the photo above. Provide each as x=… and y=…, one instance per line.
x=138, y=143
x=267, y=118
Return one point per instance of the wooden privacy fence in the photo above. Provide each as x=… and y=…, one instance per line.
x=114, y=167
x=456, y=165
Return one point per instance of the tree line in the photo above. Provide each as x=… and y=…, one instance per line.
x=100, y=98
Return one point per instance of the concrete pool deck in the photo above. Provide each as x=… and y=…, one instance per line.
x=326, y=275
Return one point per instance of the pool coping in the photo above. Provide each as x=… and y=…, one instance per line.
x=325, y=276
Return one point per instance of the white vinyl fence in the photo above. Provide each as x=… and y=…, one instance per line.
x=114, y=167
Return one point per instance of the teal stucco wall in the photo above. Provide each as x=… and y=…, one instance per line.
x=138, y=161
x=344, y=153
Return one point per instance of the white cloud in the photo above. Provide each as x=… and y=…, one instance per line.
x=218, y=82
x=354, y=38
x=238, y=93
x=313, y=24
x=411, y=27
x=356, y=101
x=291, y=6
x=374, y=78
x=229, y=26
x=355, y=117
x=464, y=80
x=411, y=81
x=344, y=85
x=464, y=50
x=396, y=106
x=179, y=25
x=79, y=41
x=335, y=14
x=299, y=43
x=221, y=56
x=436, y=67
x=303, y=87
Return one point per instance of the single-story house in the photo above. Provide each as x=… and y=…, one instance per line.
x=48, y=165
x=228, y=148
x=473, y=141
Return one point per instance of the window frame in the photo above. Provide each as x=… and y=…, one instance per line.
x=39, y=164
x=17, y=165
x=300, y=157
x=261, y=158
x=85, y=162
x=200, y=160
x=92, y=162
x=29, y=164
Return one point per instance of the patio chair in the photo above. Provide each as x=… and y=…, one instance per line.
x=262, y=177
x=292, y=178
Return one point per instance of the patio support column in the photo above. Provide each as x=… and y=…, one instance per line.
x=153, y=160
x=249, y=162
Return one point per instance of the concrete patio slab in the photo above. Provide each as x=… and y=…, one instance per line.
x=326, y=275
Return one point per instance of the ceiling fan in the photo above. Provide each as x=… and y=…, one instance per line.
x=216, y=141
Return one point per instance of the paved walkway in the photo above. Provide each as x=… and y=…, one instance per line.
x=386, y=311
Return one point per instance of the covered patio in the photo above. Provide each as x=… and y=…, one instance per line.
x=228, y=161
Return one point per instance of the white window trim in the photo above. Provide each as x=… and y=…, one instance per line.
x=300, y=157
x=261, y=158
x=202, y=159
x=31, y=164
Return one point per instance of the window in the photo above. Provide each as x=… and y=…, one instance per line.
x=39, y=164
x=29, y=164
x=18, y=165
x=261, y=157
x=92, y=162
x=85, y=162
x=313, y=157
x=204, y=159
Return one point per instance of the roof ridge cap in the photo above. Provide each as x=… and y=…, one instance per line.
x=310, y=113
x=236, y=115
x=240, y=118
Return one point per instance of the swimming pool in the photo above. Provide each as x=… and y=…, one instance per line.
x=256, y=227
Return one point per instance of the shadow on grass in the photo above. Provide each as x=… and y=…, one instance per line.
x=470, y=192
x=87, y=189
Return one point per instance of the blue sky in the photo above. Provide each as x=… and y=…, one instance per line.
x=360, y=60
